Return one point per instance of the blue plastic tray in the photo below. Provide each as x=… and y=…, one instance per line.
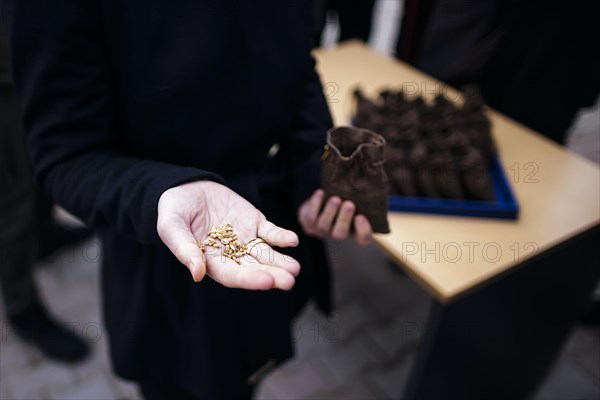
x=505, y=206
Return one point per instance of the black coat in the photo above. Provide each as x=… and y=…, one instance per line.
x=533, y=59
x=125, y=99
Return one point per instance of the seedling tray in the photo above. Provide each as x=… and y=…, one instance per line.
x=505, y=206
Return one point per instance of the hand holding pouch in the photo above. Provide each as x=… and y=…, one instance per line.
x=353, y=170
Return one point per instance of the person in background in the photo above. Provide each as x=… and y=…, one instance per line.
x=354, y=17
x=533, y=60
x=28, y=234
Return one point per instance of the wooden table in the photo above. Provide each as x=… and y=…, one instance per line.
x=518, y=284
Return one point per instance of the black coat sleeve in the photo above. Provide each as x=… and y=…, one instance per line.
x=313, y=119
x=62, y=75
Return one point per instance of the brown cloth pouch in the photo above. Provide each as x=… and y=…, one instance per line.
x=353, y=170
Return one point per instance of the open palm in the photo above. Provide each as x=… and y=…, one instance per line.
x=187, y=212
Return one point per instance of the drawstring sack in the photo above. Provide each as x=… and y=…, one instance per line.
x=353, y=170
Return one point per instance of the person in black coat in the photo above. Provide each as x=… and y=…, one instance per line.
x=532, y=59
x=153, y=121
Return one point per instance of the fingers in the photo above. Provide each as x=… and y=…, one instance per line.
x=276, y=236
x=264, y=254
x=325, y=220
x=309, y=212
x=232, y=275
x=282, y=279
x=363, y=230
x=335, y=220
x=341, y=229
x=249, y=274
x=178, y=237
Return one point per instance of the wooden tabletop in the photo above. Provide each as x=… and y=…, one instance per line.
x=558, y=191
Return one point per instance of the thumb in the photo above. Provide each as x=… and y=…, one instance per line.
x=276, y=236
x=178, y=237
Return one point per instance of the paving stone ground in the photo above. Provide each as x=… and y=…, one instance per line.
x=364, y=351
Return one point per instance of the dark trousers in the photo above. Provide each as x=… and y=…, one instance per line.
x=25, y=212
